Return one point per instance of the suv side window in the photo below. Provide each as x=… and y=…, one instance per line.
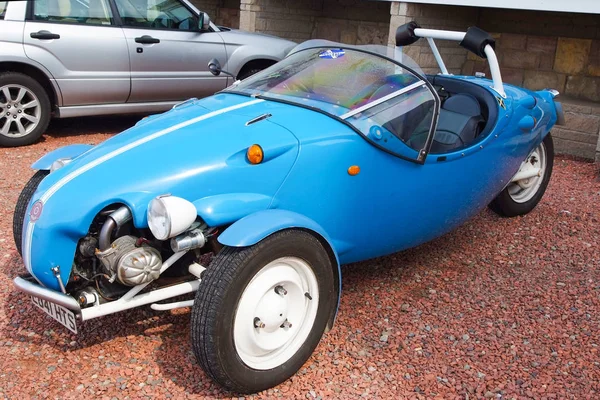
x=2, y=9
x=91, y=12
x=157, y=14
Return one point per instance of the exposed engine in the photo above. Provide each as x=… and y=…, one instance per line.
x=115, y=256
x=131, y=261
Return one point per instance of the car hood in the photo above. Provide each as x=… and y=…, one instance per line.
x=236, y=36
x=240, y=36
x=196, y=150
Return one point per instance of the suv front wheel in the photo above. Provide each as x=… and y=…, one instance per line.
x=24, y=109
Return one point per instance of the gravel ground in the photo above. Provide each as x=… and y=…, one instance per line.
x=500, y=308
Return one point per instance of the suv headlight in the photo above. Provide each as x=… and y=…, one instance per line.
x=168, y=216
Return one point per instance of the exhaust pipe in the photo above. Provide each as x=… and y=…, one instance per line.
x=114, y=221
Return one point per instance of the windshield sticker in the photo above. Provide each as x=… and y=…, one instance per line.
x=332, y=53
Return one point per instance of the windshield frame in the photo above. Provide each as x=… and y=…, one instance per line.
x=422, y=153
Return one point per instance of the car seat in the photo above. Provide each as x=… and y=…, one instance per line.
x=460, y=122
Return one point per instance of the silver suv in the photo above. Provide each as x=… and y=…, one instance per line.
x=69, y=58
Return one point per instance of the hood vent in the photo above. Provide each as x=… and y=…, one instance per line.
x=258, y=119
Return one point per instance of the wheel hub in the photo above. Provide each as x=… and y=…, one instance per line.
x=20, y=111
x=523, y=190
x=272, y=311
x=274, y=315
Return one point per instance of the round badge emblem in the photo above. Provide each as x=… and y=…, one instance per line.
x=36, y=211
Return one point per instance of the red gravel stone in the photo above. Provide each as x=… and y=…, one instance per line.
x=499, y=308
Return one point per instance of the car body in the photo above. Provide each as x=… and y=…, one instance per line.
x=95, y=57
x=336, y=154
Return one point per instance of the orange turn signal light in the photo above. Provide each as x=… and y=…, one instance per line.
x=354, y=170
x=255, y=154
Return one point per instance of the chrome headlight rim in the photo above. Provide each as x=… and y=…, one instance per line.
x=169, y=216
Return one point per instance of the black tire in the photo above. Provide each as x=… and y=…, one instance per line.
x=21, y=208
x=16, y=78
x=504, y=204
x=248, y=72
x=217, y=299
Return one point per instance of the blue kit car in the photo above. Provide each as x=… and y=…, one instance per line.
x=334, y=155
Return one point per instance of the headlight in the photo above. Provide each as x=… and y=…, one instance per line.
x=168, y=216
x=61, y=162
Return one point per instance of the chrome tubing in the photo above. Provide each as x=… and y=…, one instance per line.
x=114, y=220
x=52, y=296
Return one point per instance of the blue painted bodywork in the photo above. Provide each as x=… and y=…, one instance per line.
x=198, y=151
x=69, y=152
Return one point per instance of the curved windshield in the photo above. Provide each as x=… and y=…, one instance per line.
x=383, y=99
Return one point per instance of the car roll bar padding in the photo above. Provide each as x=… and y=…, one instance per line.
x=476, y=39
x=405, y=34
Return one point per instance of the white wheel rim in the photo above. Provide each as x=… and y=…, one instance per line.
x=280, y=292
x=20, y=111
x=523, y=190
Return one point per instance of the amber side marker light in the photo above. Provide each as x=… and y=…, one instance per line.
x=255, y=154
x=353, y=170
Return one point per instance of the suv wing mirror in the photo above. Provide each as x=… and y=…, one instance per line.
x=203, y=21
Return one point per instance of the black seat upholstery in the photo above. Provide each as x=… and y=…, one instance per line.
x=459, y=123
x=462, y=103
x=487, y=101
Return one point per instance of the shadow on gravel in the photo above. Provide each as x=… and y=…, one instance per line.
x=174, y=355
x=25, y=317
x=178, y=363
x=89, y=125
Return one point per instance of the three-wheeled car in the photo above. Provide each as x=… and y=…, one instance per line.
x=334, y=155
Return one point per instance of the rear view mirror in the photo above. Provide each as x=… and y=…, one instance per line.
x=203, y=21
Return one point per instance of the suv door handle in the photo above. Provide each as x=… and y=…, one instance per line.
x=146, y=40
x=44, y=35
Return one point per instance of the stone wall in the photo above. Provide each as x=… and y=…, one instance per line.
x=536, y=50
x=545, y=49
x=348, y=21
x=221, y=12
x=353, y=21
x=571, y=66
x=580, y=135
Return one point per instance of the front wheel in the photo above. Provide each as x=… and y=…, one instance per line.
x=522, y=195
x=22, y=203
x=261, y=310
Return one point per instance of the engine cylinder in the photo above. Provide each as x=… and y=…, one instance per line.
x=131, y=265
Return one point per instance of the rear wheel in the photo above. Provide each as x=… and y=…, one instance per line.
x=21, y=207
x=522, y=195
x=24, y=109
x=261, y=310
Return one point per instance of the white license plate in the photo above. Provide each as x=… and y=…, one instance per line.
x=63, y=315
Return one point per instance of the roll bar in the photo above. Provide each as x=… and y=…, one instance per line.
x=474, y=39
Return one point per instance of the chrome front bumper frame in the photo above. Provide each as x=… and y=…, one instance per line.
x=32, y=288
